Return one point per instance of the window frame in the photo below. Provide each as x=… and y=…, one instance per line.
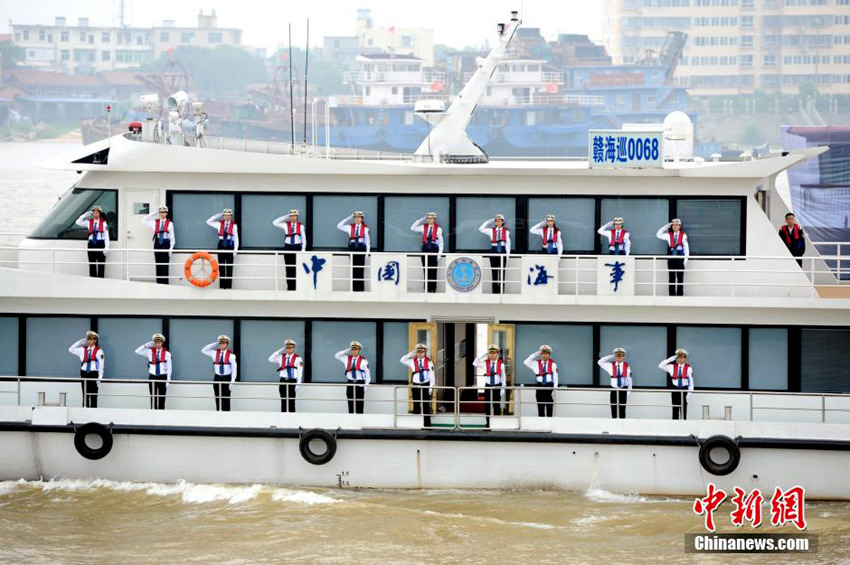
x=113, y=226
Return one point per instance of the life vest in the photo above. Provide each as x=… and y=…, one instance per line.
x=96, y=226
x=89, y=356
x=426, y=365
x=433, y=228
x=293, y=229
x=229, y=231
x=790, y=235
x=544, y=370
x=618, y=239
x=362, y=230
x=677, y=239
x=550, y=237
x=291, y=365
x=680, y=374
x=157, y=359
x=160, y=231
x=352, y=366
x=222, y=358
x=621, y=378
x=502, y=238
x=487, y=370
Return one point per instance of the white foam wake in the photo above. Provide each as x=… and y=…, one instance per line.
x=601, y=495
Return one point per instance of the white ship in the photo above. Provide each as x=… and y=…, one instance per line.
x=765, y=335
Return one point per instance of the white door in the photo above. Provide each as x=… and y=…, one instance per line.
x=137, y=204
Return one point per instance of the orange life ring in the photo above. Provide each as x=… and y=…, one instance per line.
x=206, y=280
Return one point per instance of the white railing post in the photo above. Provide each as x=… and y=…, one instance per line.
x=277, y=271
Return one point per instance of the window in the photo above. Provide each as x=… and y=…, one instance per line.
x=119, y=338
x=574, y=217
x=642, y=217
x=84, y=55
x=186, y=338
x=59, y=223
x=164, y=36
x=48, y=340
x=645, y=347
x=714, y=353
x=396, y=344
x=401, y=211
x=329, y=210
x=259, y=210
x=406, y=41
x=187, y=37
x=105, y=37
x=26, y=35
x=746, y=41
x=66, y=55
x=64, y=36
x=713, y=226
x=472, y=211
x=572, y=350
x=769, y=60
x=104, y=55
x=214, y=37
x=140, y=40
x=767, y=359
x=748, y=3
x=190, y=212
x=329, y=337
x=746, y=60
x=819, y=371
x=41, y=35
x=259, y=339
x=9, y=346
x=747, y=22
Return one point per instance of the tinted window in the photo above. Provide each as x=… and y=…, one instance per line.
x=119, y=338
x=9, y=346
x=574, y=216
x=401, y=212
x=59, y=223
x=572, y=350
x=258, y=212
x=187, y=338
x=330, y=337
x=329, y=210
x=396, y=344
x=820, y=372
x=642, y=217
x=714, y=353
x=645, y=347
x=471, y=213
x=260, y=338
x=768, y=359
x=190, y=212
x=713, y=226
x=48, y=340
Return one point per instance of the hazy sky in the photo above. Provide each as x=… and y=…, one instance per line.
x=455, y=22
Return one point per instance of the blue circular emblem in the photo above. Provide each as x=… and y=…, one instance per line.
x=463, y=274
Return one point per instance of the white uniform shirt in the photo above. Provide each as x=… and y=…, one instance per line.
x=218, y=368
x=487, y=229
x=362, y=231
x=215, y=221
x=150, y=221
x=531, y=363
x=421, y=376
x=81, y=350
x=289, y=229
x=537, y=229
x=499, y=377
x=421, y=226
x=146, y=351
x=83, y=222
x=664, y=235
x=607, y=231
x=607, y=364
x=674, y=370
x=278, y=357
x=361, y=376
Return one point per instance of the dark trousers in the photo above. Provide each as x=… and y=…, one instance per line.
x=429, y=262
x=545, y=396
x=157, y=386
x=162, y=258
x=289, y=260
x=354, y=393
x=225, y=265
x=492, y=401
x=676, y=276
x=620, y=251
x=798, y=253
x=619, y=398
x=422, y=402
x=680, y=404
x=221, y=390
x=90, y=386
x=287, y=395
x=358, y=261
x=497, y=273
x=97, y=259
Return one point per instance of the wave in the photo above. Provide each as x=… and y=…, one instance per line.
x=302, y=497
x=600, y=495
x=535, y=525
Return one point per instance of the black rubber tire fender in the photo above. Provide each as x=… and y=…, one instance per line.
x=719, y=442
x=97, y=429
x=309, y=455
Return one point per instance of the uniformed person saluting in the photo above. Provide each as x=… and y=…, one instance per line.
x=360, y=244
x=294, y=240
x=550, y=235
x=98, y=240
x=224, y=371
x=546, y=379
x=495, y=380
x=677, y=247
x=432, y=247
x=159, y=369
x=619, y=242
x=91, y=370
x=228, y=244
x=793, y=236
x=422, y=380
x=163, y=241
x=357, y=374
x=290, y=368
x=500, y=249
x=681, y=379
x=621, y=380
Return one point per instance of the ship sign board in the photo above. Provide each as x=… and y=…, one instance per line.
x=618, y=149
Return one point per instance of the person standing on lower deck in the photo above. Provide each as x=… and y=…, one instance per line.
x=619, y=241
x=228, y=244
x=550, y=234
x=224, y=371
x=432, y=247
x=294, y=240
x=621, y=380
x=98, y=240
x=159, y=369
x=357, y=374
x=679, y=251
x=681, y=380
x=360, y=245
x=546, y=379
x=793, y=236
x=495, y=380
x=500, y=249
x=422, y=380
x=91, y=370
x=290, y=370
x=163, y=241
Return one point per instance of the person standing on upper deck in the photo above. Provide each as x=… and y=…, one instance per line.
x=228, y=244
x=91, y=370
x=495, y=380
x=159, y=369
x=619, y=242
x=621, y=380
x=98, y=240
x=290, y=370
x=422, y=380
x=550, y=235
x=681, y=379
x=163, y=241
x=224, y=371
x=793, y=236
x=295, y=240
x=500, y=249
x=432, y=247
x=360, y=244
x=546, y=379
x=676, y=239
x=357, y=374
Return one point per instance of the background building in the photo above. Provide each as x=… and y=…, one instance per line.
x=418, y=41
